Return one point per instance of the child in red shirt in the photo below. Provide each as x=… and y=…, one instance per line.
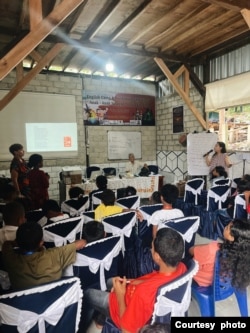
x=130, y=304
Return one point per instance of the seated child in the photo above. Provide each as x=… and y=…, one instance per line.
x=31, y=264
x=130, y=304
x=107, y=207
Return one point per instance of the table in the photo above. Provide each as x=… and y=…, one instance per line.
x=145, y=186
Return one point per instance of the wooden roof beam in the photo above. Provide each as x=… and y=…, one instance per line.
x=236, y=5
x=246, y=15
x=36, y=15
x=31, y=74
x=181, y=92
x=129, y=20
x=34, y=38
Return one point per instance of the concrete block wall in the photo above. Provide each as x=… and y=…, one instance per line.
x=74, y=85
x=171, y=155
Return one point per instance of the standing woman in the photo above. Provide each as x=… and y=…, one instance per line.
x=219, y=158
x=19, y=171
x=39, y=181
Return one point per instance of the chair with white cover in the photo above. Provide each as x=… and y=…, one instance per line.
x=145, y=263
x=130, y=202
x=240, y=211
x=96, y=199
x=97, y=262
x=187, y=227
x=216, y=199
x=88, y=216
x=172, y=299
x=75, y=207
x=52, y=308
x=123, y=225
x=63, y=232
x=154, y=169
x=89, y=170
x=226, y=181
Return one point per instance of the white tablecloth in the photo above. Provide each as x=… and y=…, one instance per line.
x=145, y=186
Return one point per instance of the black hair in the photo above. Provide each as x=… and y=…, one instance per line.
x=156, y=328
x=50, y=204
x=34, y=160
x=169, y=244
x=223, y=147
x=75, y=192
x=29, y=236
x=170, y=193
x=15, y=147
x=243, y=186
x=246, y=177
x=155, y=197
x=130, y=190
x=101, y=182
x=234, y=255
x=93, y=231
x=108, y=197
x=8, y=192
x=12, y=212
x=221, y=171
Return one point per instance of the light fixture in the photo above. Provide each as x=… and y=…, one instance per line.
x=109, y=67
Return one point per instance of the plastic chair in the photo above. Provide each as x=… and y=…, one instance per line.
x=109, y=171
x=75, y=207
x=88, y=216
x=154, y=169
x=53, y=307
x=63, y=232
x=97, y=262
x=186, y=227
x=89, y=169
x=172, y=299
x=220, y=290
x=131, y=202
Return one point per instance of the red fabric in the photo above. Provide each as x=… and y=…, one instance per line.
x=140, y=299
x=39, y=183
x=248, y=208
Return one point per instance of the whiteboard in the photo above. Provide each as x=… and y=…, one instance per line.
x=121, y=143
x=199, y=144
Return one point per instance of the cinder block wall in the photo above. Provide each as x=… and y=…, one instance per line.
x=74, y=85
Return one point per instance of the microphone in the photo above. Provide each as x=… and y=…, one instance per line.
x=231, y=154
x=210, y=151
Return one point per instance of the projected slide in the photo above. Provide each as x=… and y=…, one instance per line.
x=51, y=137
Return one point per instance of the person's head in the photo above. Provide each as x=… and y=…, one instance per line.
x=108, y=197
x=130, y=190
x=155, y=198
x=168, y=247
x=219, y=171
x=93, y=231
x=14, y=214
x=220, y=147
x=246, y=177
x=169, y=193
x=235, y=258
x=156, y=328
x=131, y=157
x=35, y=161
x=51, y=208
x=76, y=192
x=101, y=182
x=16, y=150
x=243, y=186
x=29, y=236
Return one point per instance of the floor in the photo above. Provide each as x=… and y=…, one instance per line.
x=225, y=308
